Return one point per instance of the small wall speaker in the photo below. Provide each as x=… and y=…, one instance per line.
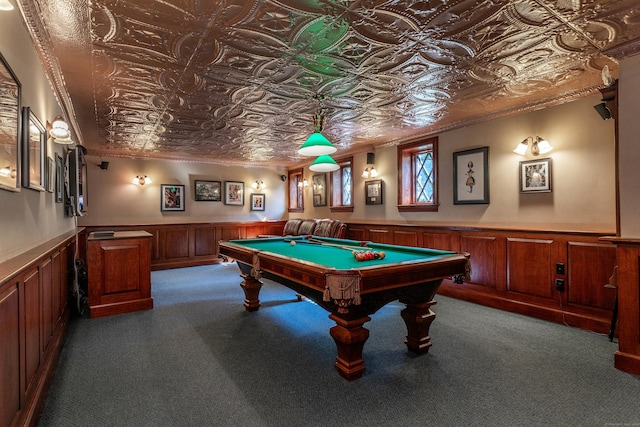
x=283, y=178
x=602, y=109
x=104, y=165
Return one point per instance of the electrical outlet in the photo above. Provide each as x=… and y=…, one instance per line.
x=560, y=285
x=559, y=268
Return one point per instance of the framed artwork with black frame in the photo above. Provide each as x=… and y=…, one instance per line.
x=34, y=155
x=319, y=187
x=373, y=192
x=171, y=197
x=234, y=193
x=257, y=201
x=10, y=113
x=208, y=191
x=59, y=178
x=51, y=175
x=535, y=176
x=471, y=176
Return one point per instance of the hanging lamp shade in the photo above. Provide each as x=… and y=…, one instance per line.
x=317, y=145
x=324, y=163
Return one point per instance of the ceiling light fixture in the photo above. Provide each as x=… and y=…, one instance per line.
x=141, y=180
x=538, y=146
x=324, y=163
x=317, y=144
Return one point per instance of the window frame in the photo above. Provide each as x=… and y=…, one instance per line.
x=296, y=190
x=407, y=175
x=336, y=184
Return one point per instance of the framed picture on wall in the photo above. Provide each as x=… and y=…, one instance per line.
x=51, y=174
x=535, y=176
x=208, y=191
x=34, y=156
x=471, y=176
x=257, y=202
x=234, y=193
x=319, y=189
x=59, y=178
x=373, y=192
x=171, y=197
x=10, y=94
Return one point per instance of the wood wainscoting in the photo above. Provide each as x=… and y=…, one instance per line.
x=34, y=317
x=192, y=244
x=556, y=276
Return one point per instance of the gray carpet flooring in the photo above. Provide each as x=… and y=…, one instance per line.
x=199, y=359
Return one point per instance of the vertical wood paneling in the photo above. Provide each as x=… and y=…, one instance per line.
x=205, y=241
x=357, y=233
x=405, y=238
x=529, y=267
x=591, y=266
x=9, y=354
x=483, y=258
x=46, y=286
x=56, y=283
x=231, y=232
x=437, y=241
x=31, y=307
x=380, y=236
x=176, y=244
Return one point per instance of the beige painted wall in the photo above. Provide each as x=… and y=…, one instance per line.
x=113, y=200
x=583, y=185
x=28, y=218
x=629, y=133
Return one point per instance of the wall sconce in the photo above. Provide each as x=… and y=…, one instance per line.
x=5, y=5
x=303, y=183
x=538, y=146
x=59, y=131
x=141, y=180
x=8, y=171
x=258, y=185
x=370, y=172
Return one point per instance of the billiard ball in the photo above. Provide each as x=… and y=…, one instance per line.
x=292, y=243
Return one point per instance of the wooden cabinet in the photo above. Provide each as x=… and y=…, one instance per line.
x=119, y=268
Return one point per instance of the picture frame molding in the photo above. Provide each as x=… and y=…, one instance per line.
x=478, y=172
x=166, y=207
x=15, y=160
x=59, y=179
x=230, y=193
x=210, y=186
x=374, y=192
x=319, y=194
x=37, y=159
x=258, y=201
x=526, y=187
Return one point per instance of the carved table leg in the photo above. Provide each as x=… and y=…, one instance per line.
x=350, y=337
x=418, y=318
x=251, y=287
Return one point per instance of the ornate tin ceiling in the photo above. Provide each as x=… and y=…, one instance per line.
x=237, y=81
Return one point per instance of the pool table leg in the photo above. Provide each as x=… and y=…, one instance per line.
x=350, y=337
x=418, y=318
x=251, y=287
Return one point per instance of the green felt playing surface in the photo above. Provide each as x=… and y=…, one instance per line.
x=337, y=258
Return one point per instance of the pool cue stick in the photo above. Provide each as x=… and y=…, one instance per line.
x=336, y=245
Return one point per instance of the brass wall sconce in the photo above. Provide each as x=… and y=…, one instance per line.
x=370, y=172
x=258, y=185
x=141, y=180
x=538, y=146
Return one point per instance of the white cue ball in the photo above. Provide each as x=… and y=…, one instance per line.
x=292, y=243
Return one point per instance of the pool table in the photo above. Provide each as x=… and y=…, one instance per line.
x=327, y=272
